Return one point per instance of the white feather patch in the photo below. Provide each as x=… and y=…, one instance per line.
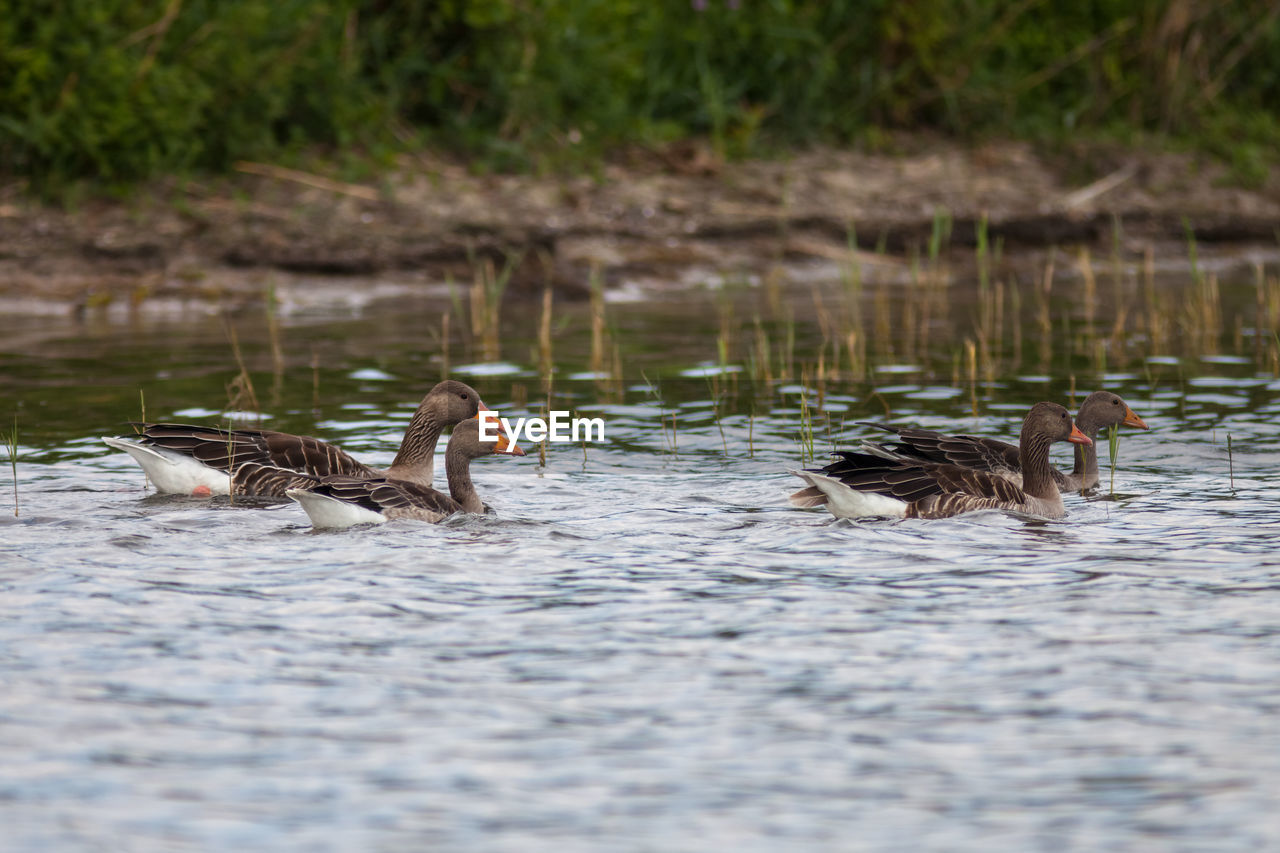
x=170, y=472
x=325, y=511
x=845, y=502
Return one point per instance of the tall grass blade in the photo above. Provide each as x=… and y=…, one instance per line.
x=1113, y=445
x=11, y=443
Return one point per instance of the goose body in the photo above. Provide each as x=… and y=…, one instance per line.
x=188, y=459
x=347, y=501
x=1100, y=409
x=340, y=501
x=860, y=485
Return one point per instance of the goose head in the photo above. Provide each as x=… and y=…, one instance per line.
x=452, y=401
x=466, y=441
x=1053, y=422
x=1104, y=409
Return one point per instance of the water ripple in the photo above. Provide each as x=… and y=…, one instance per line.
x=648, y=645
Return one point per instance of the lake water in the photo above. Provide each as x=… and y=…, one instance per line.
x=644, y=647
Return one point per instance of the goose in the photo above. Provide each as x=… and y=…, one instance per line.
x=343, y=501
x=1100, y=409
x=184, y=459
x=862, y=484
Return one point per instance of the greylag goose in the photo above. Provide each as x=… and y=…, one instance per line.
x=344, y=501
x=862, y=485
x=183, y=459
x=1100, y=409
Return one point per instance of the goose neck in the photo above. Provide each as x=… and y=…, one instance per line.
x=1037, y=478
x=418, y=448
x=457, y=468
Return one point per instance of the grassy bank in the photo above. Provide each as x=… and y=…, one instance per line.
x=119, y=90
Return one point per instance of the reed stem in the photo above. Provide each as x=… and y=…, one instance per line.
x=1113, y=445
x=240, y=392
x=544, y=341
x=142, y=400
x=11, y=443
x=444, y=344
x=806, y=427
x=1230, y=468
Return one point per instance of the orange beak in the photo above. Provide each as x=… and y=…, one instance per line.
x=481, y=407
x=1131, y=419
x=506, y=445
x=1077, y=437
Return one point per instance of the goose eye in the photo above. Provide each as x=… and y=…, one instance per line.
x=464, y=396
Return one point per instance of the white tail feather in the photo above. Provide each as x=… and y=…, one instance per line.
x=170, y=472
x=844, y=502
x=325, y=511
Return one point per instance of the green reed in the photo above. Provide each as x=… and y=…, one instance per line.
x=546, y=363
x=444, y=343
x=818, y=336
x=271, y=305
x=1090, y=296
x=241, y=396
x=488, y=286
x=1113, y=444
x=1044, y=316
x=599, y=328
x=805, y=436
x=1121, y=306
x=715, y=413
x=1230, y=461
x=315, y=380
x=142, y=403
x=11, y=444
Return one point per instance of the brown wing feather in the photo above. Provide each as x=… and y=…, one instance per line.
x=227, y=450
x=969, y=451
x=258, y=480
x=217, y=448
x=921, y=480
x=313, y=456
x=955, y=479
x=385, y=495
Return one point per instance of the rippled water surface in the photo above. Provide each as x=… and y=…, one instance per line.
x=644, y=647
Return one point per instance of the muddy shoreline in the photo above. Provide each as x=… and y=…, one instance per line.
x=652, y=217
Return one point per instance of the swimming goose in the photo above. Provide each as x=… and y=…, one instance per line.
x=862, y=485
x=344, y=501
x=183, y=459
x=1100, y=409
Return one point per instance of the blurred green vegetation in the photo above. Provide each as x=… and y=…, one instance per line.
x=120, y=90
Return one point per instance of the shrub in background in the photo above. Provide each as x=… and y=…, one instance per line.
x=122, y=89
